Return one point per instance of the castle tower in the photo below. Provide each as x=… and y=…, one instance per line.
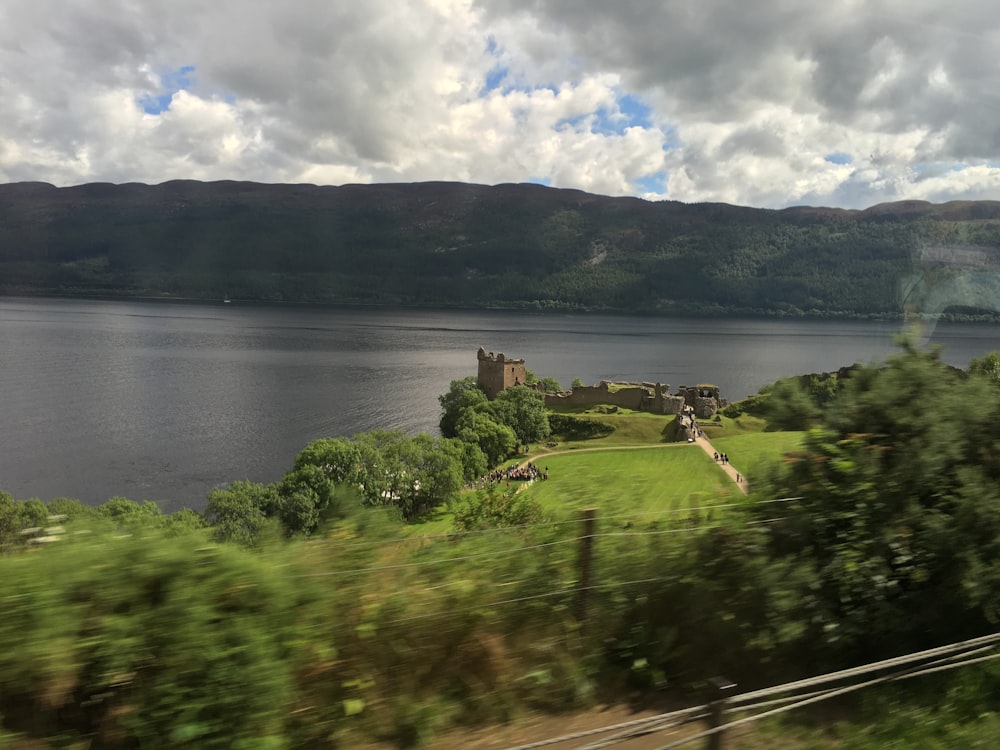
x=497, y=373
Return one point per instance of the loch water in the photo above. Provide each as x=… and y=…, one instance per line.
x=163, y=401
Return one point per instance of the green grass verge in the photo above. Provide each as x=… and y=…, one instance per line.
x=752, y=453
x=641, y=481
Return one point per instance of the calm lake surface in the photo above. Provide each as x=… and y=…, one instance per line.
x=163, y=401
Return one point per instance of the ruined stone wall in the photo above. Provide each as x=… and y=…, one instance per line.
x=704, y=399
x=652, y=397
x=629, y=397
x=497, y=372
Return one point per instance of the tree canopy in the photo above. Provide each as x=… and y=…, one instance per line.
x=523, y=410
x=896, y=507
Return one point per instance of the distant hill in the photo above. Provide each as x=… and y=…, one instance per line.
x=512, y=246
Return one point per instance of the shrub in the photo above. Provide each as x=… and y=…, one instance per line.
x=574, y=428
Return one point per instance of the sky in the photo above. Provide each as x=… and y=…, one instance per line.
x=769, y=103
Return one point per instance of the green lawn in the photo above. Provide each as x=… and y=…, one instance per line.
x=634, y=471
x=630, y=481
x=750, y=453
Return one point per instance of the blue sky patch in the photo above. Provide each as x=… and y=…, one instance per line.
x=546, y=181
x=635, y=111
x=838, y=157
x=630, y=113
x=172, y=82
x=652, y=183
x=494, y=78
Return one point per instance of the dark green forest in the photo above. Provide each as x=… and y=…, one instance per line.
x=506, y=246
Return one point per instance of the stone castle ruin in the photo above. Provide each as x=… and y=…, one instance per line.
x=702, y=401
x=497, y=373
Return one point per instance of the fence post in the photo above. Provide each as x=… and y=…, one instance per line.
x=717, y=710
x=585, y=562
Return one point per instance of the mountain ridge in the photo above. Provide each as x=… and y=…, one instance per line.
x=514, y=245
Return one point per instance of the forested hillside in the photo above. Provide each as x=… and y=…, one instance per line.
x=517, y=246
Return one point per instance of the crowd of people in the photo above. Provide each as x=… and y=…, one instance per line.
x=527, y=473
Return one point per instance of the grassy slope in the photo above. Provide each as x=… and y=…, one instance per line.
x=638, y=470
x=752, y=453
x=641, y=482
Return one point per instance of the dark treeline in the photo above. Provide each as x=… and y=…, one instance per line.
x=516, y=246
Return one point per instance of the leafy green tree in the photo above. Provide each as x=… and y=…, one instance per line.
x=988, y=367
x=523, y=410
x=238, y=512
x=468, y=454
x=577, y=383
x=790, y=407
x=17, y=518
x=306, y=497
x=462, y=395
x=72, y=509
x=495, y=440
x=550, y=385
x=33, y=513
x=10, y=522
x=414, y=474
x=338, y=457
x=128, y=513
x=184, y=521
x=897, y=505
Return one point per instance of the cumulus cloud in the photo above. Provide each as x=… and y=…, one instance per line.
x=772, y=104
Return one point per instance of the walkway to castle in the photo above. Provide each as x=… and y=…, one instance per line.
x=731, y=472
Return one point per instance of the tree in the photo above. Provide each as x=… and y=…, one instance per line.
x=338, y=457
x=72, y=509
x=988, y=367
x=10, y=522
x=413, y=474
x=897, y=506
x=436, y=473
x=790, y=407
x=468, y=454
x=549, y=385
x=577, y=383
x=462, y=395
x=523, y=410
x=495, y=440
x=238, y=512
x=129, y=514
x=306, y=497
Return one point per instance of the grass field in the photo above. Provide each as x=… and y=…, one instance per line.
x=639, y=469
x=642, y=481
x=750, y=453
